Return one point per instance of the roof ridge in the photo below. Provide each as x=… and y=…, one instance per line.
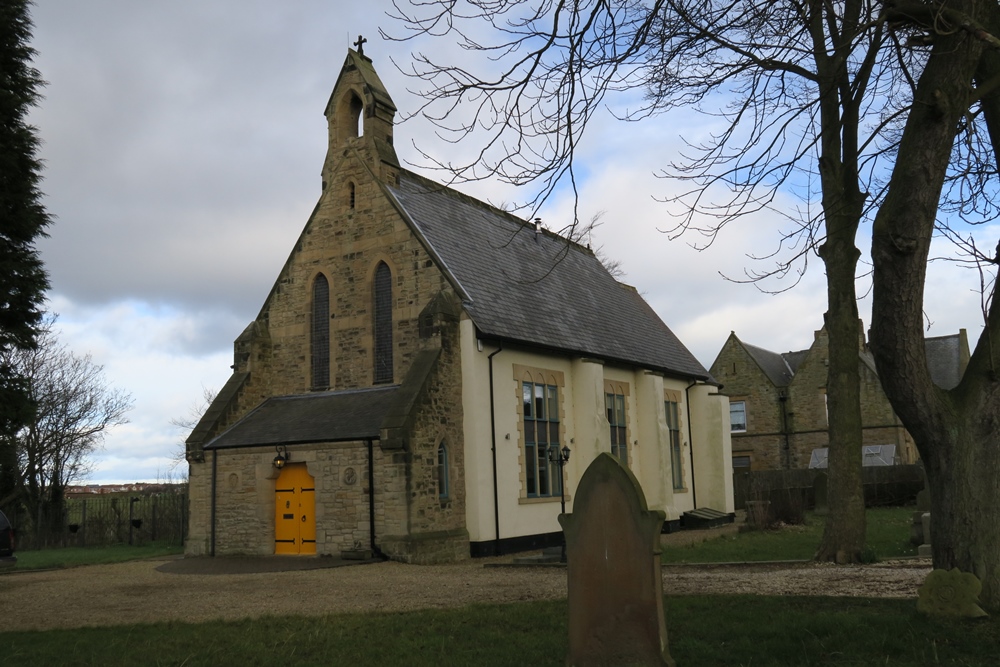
x=475, y=201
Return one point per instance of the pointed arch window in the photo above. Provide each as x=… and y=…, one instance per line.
x=382, y=324
x=319, y=341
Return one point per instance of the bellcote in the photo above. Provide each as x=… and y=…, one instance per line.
x=360, y=117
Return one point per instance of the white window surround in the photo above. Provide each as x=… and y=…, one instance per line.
x=738, y=416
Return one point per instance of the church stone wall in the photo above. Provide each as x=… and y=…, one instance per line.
x=244, y=500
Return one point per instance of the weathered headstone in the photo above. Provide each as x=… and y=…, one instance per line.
x=924, y=500
x=820, y=493
x=924, y=550
x=917, y=528
x=614, y=572
x=950, y=593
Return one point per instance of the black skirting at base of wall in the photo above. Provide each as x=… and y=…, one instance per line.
x=671, y=526
x=513, y=545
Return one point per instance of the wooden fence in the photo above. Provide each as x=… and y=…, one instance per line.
x=884, y=485
x=105, y=520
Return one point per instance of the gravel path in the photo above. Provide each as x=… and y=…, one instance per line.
x=136, y=592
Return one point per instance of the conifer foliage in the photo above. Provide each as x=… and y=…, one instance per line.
x=23, y=220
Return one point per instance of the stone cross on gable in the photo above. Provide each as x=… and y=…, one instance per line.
x=361, y=45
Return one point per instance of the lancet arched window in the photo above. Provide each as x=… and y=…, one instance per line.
x=382, y=324
x=320, y=334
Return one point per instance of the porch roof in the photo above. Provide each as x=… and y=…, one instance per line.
x=332, y=416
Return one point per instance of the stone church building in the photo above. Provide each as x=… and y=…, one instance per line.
x=420, y=364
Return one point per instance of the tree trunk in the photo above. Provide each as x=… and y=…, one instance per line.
x=844, y=533
x=843, y=205
x=965, y=532
x=955, y=431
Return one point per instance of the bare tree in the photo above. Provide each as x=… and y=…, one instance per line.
x=955, y=430
x=868, y=97
x=186, y=424
x=75, y=408
x=809, y=95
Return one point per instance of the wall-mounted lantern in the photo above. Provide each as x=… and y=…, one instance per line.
x=282, y=458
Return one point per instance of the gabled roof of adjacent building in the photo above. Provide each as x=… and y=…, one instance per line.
x=774, y=365
x=537, y=288
x=947, y=357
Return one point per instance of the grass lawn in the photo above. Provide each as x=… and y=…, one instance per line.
x=710, y=631
x=73, y=556
x=888, y=537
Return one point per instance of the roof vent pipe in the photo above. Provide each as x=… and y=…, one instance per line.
x=538, y=228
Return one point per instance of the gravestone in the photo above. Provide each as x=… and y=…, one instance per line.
x=919, y=530
x=924, y=500
x=924, y=550
x=820, y=493
x=950, y=593
x=614, y=573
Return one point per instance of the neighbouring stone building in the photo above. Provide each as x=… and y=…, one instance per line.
x=778, y=401
x=420, y=362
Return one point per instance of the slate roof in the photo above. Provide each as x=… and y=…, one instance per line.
x=944, y=361
x=333, y=416
x=795, y=359
x=540, y=288
x=773, y=364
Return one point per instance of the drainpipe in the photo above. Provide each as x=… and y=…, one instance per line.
x=687, y=401
x=493, y=435
x=215, y=468
x=783, y=398
x=371, y=501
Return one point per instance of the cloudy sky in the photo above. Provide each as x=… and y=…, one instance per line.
x=183, y=142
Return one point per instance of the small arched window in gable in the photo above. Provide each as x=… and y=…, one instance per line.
x=382, y=324
x=351, y=196
x=319, y=340
x=442, y=471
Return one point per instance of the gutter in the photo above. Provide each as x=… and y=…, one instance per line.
x=215, y=468
x=783, y=399
x=371, y=501
x=493, y=437
x=687, y=401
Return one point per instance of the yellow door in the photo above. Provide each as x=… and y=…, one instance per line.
x=294, y=511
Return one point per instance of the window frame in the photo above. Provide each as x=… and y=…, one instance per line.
x=532, y=452
x=743, y=455
x=732, y=428
x=616, y=413
x=672, y=408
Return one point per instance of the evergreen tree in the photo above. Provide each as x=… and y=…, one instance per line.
x=23, y=219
